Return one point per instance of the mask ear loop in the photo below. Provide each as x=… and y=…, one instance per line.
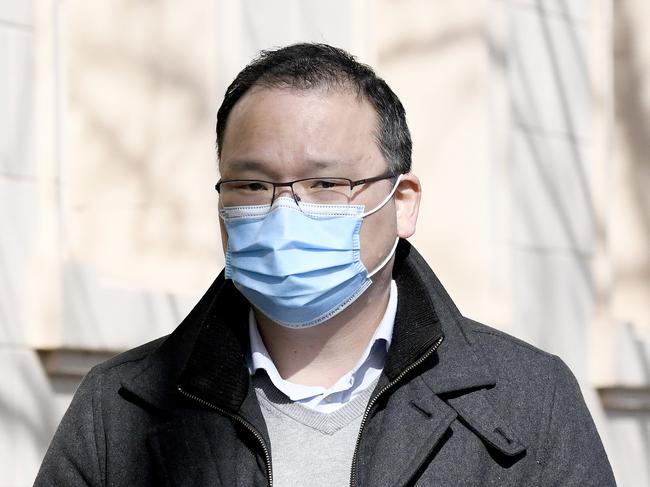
x=386, y=199
x=379, y=207
x=385, y=261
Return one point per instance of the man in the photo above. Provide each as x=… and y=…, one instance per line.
x=327, y=353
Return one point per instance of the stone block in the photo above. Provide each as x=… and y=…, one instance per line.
x=553, y=300
x=551, y=190
x=16, y=100
x=629, y=439
x=105, y=314
x=18, y=221
x=29, y=415
x=16, y=12
x=549, y=73
x=575, y=10
x=632, y=352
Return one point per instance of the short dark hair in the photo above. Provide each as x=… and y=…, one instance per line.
x=309, y=65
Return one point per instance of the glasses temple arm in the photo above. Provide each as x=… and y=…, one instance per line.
x=371, y=180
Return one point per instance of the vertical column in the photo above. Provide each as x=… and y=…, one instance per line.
x=551, y=176
x=438, y=67
x=26, y=418
x=138, y=204
x=626, y=391
x=18, y=170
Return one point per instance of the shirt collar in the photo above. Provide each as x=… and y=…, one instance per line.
x=259, y=357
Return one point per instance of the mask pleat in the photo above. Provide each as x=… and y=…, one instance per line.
x=298, y=267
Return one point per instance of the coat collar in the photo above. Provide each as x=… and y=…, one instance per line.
x=458, y=373
x=205, y=355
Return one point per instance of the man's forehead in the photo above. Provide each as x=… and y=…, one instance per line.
x=325, y=129
x=273, y=117
x=347, y=96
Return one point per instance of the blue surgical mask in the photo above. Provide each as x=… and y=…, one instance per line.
x=298, y=266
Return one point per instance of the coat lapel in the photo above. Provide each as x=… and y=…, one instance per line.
x=412, y=426
x=200, y=448
x=414, y=423
x=461, y=379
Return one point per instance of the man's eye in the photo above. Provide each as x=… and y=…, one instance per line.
x=253, y=186
x=325, y=184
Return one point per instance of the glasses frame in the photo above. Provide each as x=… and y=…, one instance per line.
x=353, y=183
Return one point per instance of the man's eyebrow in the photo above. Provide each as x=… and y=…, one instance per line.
x=321, y=164
x=247, y=165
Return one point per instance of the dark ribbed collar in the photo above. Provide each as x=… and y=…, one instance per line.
x=205, y=354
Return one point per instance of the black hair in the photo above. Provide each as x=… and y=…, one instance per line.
x=308, y=65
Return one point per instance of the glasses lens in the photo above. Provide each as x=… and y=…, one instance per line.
x=323, y=191
x=244, y=193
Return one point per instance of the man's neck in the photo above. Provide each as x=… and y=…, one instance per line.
x=322, y=354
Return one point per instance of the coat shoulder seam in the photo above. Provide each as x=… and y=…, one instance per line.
x=513, y=340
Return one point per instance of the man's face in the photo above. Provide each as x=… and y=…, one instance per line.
x=284, y=134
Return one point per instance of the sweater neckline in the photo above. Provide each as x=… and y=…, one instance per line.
x=275, y=402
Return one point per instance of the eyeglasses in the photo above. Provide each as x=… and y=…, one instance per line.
x=244, y=192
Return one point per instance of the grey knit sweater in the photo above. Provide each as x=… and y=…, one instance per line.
x=308, y=447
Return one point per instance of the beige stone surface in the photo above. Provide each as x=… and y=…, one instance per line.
x=629, y=196
x=139, y=145
x=16, y=100
x=19, y=223
x=29, y=414
x=553, y=193
x=16, y=13
x=629, y=435
x=439, y=69
x=550, y=73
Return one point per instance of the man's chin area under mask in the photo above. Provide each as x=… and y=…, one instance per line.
x=368, y=307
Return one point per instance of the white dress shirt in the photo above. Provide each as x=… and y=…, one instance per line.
x=322, y=399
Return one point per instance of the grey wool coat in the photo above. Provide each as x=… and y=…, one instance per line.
x=457, y=404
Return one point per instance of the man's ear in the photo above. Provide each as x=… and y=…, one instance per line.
x=407, y=204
